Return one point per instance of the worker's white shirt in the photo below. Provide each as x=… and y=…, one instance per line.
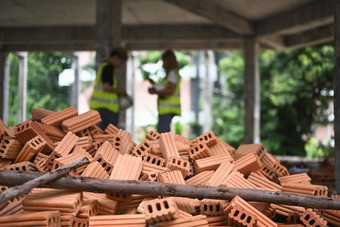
x=172, y=77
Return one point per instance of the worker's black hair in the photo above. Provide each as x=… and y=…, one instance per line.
x=120, y=52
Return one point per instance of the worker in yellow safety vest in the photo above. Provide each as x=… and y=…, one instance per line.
x=106, y=93
x=168, y=91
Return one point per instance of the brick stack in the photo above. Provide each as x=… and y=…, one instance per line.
x=53, y=139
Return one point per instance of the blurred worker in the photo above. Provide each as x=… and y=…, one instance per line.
x=168, y=91
x=106, y=93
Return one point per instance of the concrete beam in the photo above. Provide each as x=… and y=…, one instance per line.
x=216, y=14
x=310, y=37
x=315, y=14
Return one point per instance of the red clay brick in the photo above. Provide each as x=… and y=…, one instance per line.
x=81, y=122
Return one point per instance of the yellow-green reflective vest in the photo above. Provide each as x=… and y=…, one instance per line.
x=170, y=104
x=102, y=99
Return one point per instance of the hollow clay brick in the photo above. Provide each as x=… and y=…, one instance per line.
x=111, y=129
x=22, y=166
x=156, y=148
x=57, y=118
x=178, y=163
x=137, y=220
x=65, y=201
x=182, y=147
x=126, y=145
x=152, y=168
x=221, y=147
x=200, y=178
x=182, y=139
x=106, y=155
x=244, y=149
x=285, y=210
x=89, y=208
x=45, y=218
x=199, y=150
x=168, y=146
x=30, y=149
x=188, y=205
x=198, y=220
x=64, y=160
x=312, y=218
x=239, y=216
x=54, y=133
x=209, y=138
x=126, y=167
x=269, y=173
x=211, y=163
x=41, y=166
x=152, y=135
x=236, y=180
x=28, y=130
x=220, y=174
x=84, y=132
x=302, y=178
x=14, y=207
x=217, y=220
x=142, y=149
x=10, y=147
x=80, y=122
x=4, y=163
x=114, y=139
x=10, y=131
x=158, y=210
x=3, y=126
x=153, y=159
x=262, y=220
x=262, y=182
x=95, y=170
x=38, y=114
x=126, y=207
x=64, y=148
x=79, y=150
x=211, y=207
x=280, y=169
x=106, y=205
x=95, y=130
x=269, y=159
x=247, y=164
x=332, y=217
x=305, y=189
x=174, y=177
x=149, y=176
x=71, y=220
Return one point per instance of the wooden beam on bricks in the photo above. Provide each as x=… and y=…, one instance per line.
x=315, y=14
x=337, y=95
x=311, y=37
x=4, y=85
x=216, y=14
x=12, y=178
x=251, y=91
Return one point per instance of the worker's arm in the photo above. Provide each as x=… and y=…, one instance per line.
x=169, y=90
x=108, y=87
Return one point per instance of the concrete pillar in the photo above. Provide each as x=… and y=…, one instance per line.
x=4, y=85
x=108, y=36
x=131, y=90
x=337, y=94
x=76, y=83
x=22, y=86
x=207, y=94
x=251, y=91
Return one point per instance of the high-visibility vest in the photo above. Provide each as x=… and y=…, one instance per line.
x=102, y=99
x=170, y=104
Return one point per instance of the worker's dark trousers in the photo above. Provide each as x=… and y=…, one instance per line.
x=107, y=117
x=164, y=122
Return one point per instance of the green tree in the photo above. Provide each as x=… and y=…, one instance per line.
x=296, y=90
x=43, y=90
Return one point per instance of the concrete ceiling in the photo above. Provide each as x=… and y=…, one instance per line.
x=279, y=24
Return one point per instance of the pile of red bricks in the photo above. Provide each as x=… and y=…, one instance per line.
x=53, y=139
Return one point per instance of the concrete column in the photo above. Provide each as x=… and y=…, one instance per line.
x=108, y=28
x=4, y=85
x=108, y=36
x=207, y=94
x=337, y=94
x=251, y=91
x=131, y=90
x=76, y=83
x=22, y=86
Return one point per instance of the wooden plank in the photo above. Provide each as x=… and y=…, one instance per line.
x=216, y=14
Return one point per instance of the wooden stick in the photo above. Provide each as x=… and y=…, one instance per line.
x=77, y=183
x=40, y=180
